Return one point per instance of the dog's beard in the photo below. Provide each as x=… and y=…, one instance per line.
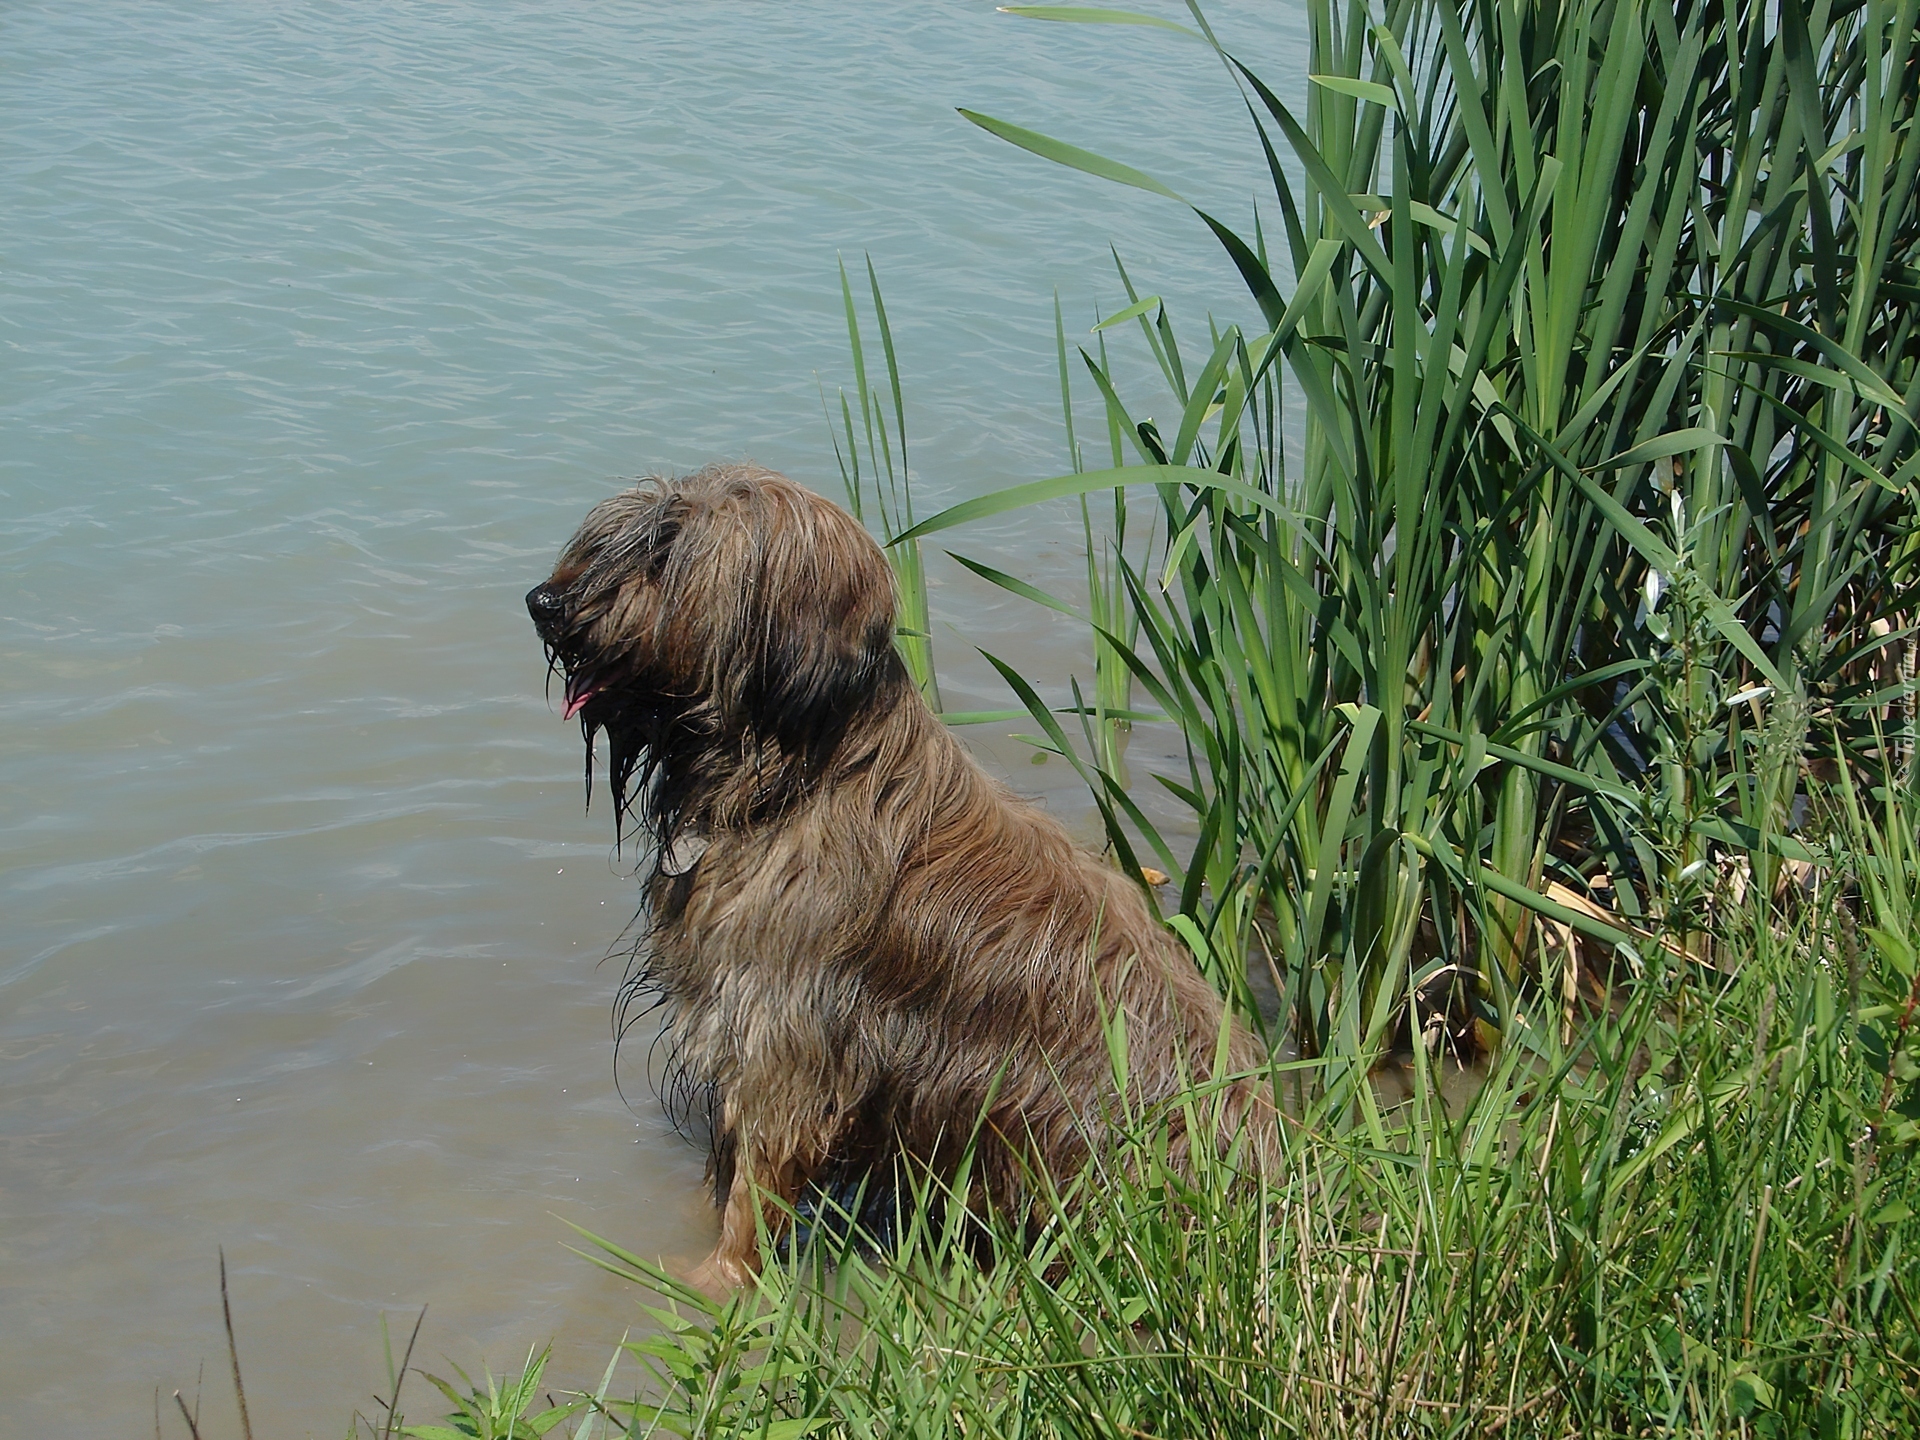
x=636, y=732
x=667, y=757
x=641, y=750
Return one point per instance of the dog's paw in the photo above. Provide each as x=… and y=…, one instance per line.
x=719, y=1277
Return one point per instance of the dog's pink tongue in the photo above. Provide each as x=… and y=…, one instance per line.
x=576, y=702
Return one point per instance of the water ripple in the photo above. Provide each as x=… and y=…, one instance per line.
x=322, y=325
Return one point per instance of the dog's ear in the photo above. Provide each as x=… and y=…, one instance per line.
x=807, y=682
x=818, y=630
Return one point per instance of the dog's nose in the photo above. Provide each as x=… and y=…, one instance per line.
x=544, y=605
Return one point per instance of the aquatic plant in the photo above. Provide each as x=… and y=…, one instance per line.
x=889, y=509
x=1517, y=562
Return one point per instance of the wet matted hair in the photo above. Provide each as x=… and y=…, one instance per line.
x=870, y=952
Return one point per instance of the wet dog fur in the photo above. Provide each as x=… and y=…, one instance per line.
x=869, y=951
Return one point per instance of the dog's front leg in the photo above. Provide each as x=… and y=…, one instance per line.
x=764, y=1190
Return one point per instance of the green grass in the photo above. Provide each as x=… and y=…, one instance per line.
x=1694, y=1220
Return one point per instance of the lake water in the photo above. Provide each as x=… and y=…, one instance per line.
x=323, y=325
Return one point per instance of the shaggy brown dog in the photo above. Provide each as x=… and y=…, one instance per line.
x=870, y=951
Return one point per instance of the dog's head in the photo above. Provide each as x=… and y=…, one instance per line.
x=729, y=618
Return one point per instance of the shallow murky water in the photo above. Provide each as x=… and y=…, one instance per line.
x=322, y=327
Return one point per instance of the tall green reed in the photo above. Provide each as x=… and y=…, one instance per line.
x=1600, y=339
x=890, y=505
